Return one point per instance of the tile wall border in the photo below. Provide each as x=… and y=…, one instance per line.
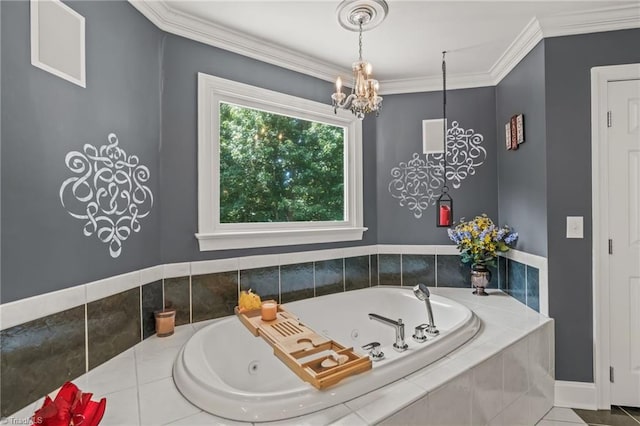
x=31, y=308
x=541, y=264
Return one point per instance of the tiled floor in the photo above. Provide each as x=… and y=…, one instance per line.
x=617, y=416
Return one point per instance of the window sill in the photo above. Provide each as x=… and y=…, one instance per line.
x=252, y=239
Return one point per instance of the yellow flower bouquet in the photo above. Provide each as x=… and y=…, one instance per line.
x=480, y=240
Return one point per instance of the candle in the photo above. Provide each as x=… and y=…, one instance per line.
x=269, y=310
x=445, y=215
x=339, y=85
x=165, y=322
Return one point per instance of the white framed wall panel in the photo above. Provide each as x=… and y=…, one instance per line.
x=58, y=40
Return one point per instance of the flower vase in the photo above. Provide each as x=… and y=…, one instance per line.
x=480, y=277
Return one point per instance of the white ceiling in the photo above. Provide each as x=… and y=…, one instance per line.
x=481, y=36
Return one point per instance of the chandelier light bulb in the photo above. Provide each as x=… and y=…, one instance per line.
x=338, y=85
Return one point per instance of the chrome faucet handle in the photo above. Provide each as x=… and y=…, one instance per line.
x=400, y=345
x=374, y=351
x=418, y=335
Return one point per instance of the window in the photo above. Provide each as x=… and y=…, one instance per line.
x=274, y=169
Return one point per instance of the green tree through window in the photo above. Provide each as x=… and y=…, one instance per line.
x=275, y=168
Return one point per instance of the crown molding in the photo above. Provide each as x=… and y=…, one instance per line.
x=598, y=20
x=434, y=83
x=175, y=22
x=611, y=18
x=524, y=42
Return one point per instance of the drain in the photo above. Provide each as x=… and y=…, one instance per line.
x=355, y=334
x=253, y=367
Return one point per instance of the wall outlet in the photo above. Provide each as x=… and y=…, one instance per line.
x=575, y=227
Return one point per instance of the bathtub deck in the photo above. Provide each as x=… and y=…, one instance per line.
x=140, y=390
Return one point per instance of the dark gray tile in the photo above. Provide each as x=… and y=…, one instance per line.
x=296, y=282
x=113, y=325
x=356, y=272
x=39, y=356
x=329, y=276
x=374, y=269
x=633, y=412
x=493, y=281
x=418, y=268
x=213, y=295
x=176, y=296
x=263, y=281
x=613, y=417
x=533, y=288
x=502, y=273
x=389, y=270
x=151, y=302
x=516, y=280
x=452, y=272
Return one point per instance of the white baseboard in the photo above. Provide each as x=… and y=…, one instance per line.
x=576, y=395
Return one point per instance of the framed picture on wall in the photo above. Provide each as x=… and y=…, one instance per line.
x=507, y=135
x=520, y=128
x=514, y=133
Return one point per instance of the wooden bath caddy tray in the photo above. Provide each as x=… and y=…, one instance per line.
x=295, y=343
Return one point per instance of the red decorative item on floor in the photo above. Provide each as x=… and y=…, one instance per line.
x=71, y=407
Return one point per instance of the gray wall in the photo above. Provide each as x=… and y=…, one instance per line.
x=183, y=59
x=399, y=135
x=522, y=173
x=568, y=61
x=44, y=117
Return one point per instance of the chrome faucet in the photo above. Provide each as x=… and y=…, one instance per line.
x=399, y=345
x=422, y=293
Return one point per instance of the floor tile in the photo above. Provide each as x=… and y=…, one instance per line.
x=121, y=409
x=633, y=412
x=561, y=414
x=152, y=366
x=161, y=403
x=155, y=344
x=613, y=417
x=544, y=422
x=322, y=417
x=205, y=419
x=351, y=420
x=117, y=374
x=21, y=417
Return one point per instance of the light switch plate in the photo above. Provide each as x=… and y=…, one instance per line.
x=575, y=227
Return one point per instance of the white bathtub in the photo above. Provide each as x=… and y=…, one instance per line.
x=226, y=371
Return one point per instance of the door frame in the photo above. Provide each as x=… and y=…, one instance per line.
x=600, y=77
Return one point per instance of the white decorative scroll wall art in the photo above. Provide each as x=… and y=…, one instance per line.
x=107, y=192
x=417, y=183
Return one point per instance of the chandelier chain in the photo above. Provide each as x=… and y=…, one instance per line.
x=445, y=187
x=360, y=42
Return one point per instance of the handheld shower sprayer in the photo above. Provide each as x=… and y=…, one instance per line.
x=422, y=293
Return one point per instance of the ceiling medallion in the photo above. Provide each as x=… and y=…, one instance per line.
x=360, y=15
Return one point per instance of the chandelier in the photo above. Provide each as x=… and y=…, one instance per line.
x=355, y=15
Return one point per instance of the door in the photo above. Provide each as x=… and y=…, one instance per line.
x=624, y=231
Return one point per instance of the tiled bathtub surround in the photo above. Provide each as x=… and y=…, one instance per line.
x=35, y=359
x=113, y=325
x=503, y=376
x=118, y=312
x=520, y=281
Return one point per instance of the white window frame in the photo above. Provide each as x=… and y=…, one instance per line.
x=213, y=235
